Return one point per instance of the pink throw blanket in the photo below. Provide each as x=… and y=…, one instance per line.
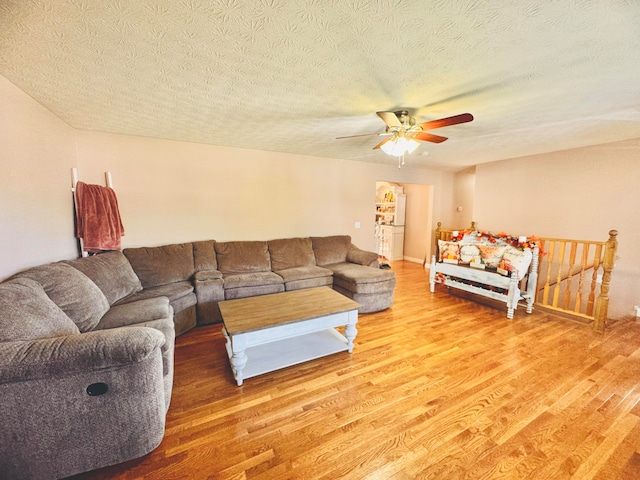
x=98, y=218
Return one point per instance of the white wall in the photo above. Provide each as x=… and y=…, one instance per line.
x=576, y=194
x=172, y=191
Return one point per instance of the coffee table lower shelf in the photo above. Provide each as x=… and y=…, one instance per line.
x=279, y=354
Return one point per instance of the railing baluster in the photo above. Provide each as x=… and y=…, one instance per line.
x=583, y=264
x=594, y=280
x=547, y=283
x=569, y=280
x=556, y=290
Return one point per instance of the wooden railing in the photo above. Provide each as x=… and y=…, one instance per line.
x=574, y=277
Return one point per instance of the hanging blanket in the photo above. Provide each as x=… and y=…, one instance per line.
x=98, y=219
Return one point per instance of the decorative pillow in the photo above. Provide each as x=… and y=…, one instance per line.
x=491, y=255
x=449, y=251
x=111, y=272
x=468, y=251
x=27, y=313
x=72, y=291
x=519, y=260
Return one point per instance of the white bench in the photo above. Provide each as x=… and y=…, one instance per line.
x=498, y=280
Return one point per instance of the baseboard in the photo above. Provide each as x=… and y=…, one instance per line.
x=414, y=260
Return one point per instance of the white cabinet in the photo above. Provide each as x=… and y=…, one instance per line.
x=390, y=241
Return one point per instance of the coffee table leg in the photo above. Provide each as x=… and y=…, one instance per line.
x=239, y=357
x=238, y=362
x=350, y=330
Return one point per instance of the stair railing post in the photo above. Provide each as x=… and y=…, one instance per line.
x=602, y=302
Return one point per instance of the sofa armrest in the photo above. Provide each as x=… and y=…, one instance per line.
x=362, y=257
x=60, y=356
x=209, y=286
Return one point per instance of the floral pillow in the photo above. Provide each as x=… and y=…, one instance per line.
x=449, y=252
x=469, y=252
x=517, y=260
x=491, y=255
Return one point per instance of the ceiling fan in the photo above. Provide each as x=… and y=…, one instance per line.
x=403, y=132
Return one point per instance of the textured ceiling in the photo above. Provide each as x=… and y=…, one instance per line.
x=290, y=76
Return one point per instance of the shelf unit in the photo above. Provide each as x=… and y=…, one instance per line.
x=391, y=204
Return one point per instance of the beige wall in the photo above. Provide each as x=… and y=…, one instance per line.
x=579, y=194
x=418, y=232
x=36, y=210
x=463, y=195
x=175, y=191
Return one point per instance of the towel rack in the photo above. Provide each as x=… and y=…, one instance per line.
x=74, y=179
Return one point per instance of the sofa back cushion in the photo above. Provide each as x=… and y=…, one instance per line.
x=111, y=272
x=331, y=249
x=27, y=313
x=72, y=291
x=243, y=257
x=204, y=255
x=290, y=253
x=162, y=265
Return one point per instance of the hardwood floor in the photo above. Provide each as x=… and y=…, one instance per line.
x=437, y=387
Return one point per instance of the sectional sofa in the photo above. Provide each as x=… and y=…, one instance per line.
x=86, y=345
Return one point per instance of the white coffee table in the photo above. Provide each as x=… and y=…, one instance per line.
x=269, y=332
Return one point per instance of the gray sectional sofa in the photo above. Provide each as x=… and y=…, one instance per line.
x=196, y=276
x=86, y=345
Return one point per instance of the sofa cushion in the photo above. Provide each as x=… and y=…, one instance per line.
x=140, y=311
x=172, y=291
x=111, y=272
x=251, y=279
x=204, y=255
x=290, y=253
x=243, y=257
x=72, y=291
x=180, y=294
x=332, y=249
x=304, y=273
x=27, y=313
x=306, y=277
x=361, y=279
x=253, y=291
x=162, y=265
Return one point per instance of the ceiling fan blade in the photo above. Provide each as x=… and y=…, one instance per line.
x=382, y=143
x=390, y=119
x=445, y=122
x=364, y=135
x=429, y=137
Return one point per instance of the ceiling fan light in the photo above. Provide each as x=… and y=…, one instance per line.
x=392, y=148
x=399, y=146
x=411, y=145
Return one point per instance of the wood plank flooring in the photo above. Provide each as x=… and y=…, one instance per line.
x=438, y=387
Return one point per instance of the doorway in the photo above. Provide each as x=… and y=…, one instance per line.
x=417, y=225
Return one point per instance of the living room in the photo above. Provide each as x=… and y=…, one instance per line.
x=173, y=191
